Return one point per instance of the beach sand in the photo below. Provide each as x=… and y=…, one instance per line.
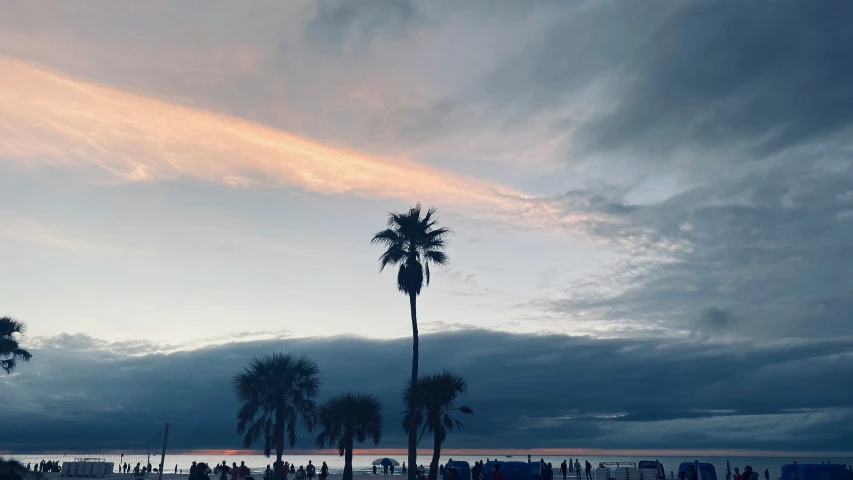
x=172, y=476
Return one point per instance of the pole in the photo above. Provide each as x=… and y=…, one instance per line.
x=163, y=454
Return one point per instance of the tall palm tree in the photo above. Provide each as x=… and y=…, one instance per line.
x=413, y=242
x=436, y=394
x=276, y=392
x=10, y=350
x=346, y=419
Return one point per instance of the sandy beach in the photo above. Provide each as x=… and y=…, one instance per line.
x=185, y=476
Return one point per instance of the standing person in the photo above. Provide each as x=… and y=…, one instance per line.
x=564, y=469
x=578, y=468
x=324, y=471
x=310, y=470
x=235, y=472
x=403, y=470
x=737, y=475
x=475, y=472
x=374, y=469
x=384, y=469
x=497, y=474
x=588, y=470
x=766, y=474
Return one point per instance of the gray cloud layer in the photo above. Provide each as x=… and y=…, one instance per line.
x=527, y=391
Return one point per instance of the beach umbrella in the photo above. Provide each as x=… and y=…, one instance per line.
x=698, y=472
x=386, y=462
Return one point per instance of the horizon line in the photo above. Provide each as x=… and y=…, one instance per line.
x=665, y=452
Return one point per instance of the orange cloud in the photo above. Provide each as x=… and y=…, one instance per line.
x=50, y=119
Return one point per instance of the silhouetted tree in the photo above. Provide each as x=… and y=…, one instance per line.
x=436, y=394
x=413, y=242
x=276, y=392
x=346, y=419
x=10, y=350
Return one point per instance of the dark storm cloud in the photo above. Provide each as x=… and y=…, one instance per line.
x=527, y=391
x=765, y=76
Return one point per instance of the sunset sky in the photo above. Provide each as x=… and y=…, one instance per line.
x=653, y=196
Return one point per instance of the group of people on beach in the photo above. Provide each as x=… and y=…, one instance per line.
x=48, y=466
x=201, y=471
x=138, y=471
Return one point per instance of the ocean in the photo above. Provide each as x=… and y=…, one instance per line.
x=362, y=464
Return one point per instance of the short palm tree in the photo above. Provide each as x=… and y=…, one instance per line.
x=276, y=392
x=413, y=242
x=10, y=350
x=436, y=394
x=346, y=419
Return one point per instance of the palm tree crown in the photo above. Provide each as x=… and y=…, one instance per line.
x=10, y=350
x=433, y=398
x=413, y=242
x=276, y=392
x=437, y=392
x=353, y=416
x=347, y=419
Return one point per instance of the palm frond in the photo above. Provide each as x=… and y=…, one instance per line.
x=9, y=346
x=9, y=326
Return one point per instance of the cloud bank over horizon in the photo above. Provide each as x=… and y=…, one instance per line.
x=527, y=391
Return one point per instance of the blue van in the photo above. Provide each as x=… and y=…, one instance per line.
x=464, y=469
x=707, y=469
x=815, y=472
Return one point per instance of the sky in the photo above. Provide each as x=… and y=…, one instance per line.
x=651, y=205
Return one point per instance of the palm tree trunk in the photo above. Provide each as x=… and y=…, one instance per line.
x=348, y=459
x=279, y=443
x=436, y=455
x=413, y=426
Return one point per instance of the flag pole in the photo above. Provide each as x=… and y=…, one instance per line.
x=163, y=453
